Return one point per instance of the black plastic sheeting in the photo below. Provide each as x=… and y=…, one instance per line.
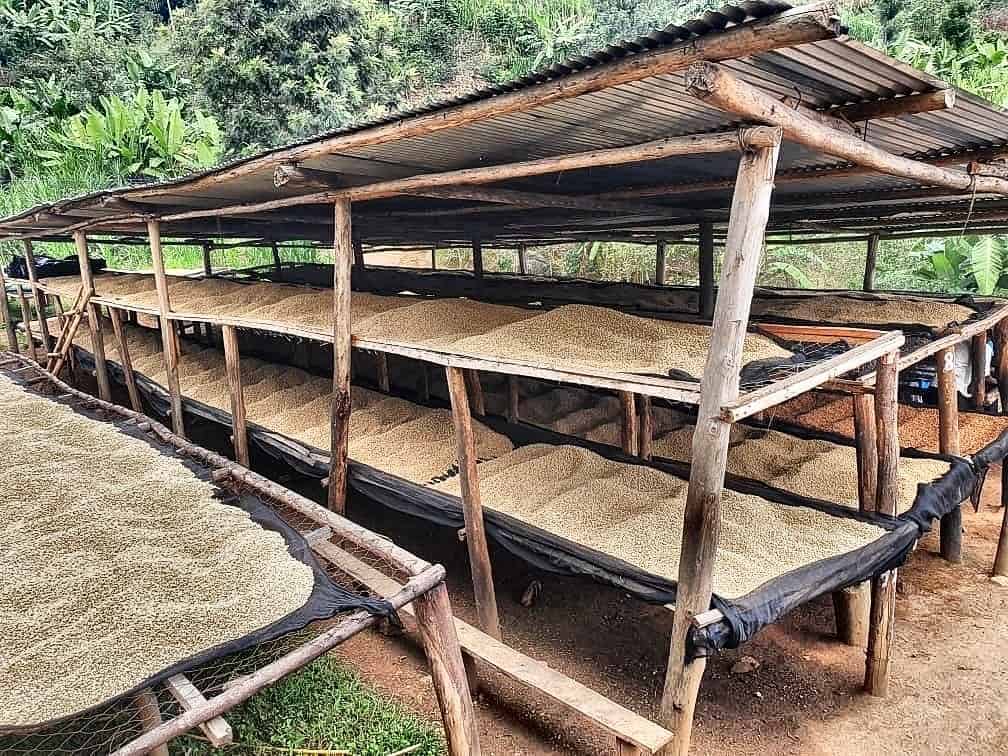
x=744, y=616
x=327, y=599
x=50, y=267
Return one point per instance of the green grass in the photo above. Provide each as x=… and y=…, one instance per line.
x=324, y=707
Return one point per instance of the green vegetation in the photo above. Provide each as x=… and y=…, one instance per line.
x=323, y=707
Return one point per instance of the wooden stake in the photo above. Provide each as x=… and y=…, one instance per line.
x=343, y=254
x=477, y=255
x=514, y=400
x=169, y=336
x=26, y=319
x=719, y=386
x=880, y=627
x=207, y=265
x=472, y=505
x=12, y=342
x=433, y=257
x=149, y=714
x=646, y=441
x=950, y=532
x=1001, y=557
x=867, y=451
x=277, y=264
x=659, y=277
x=706, y=264
x=871, y=258
x=115, y=314
x=97, y=338
x=39, y=296
x=475, y=388
x=232, y=363
x=522, y=262
x=1001, y=370
x=628, y=427
x=979, y=356
x=381, y=364
x=448, y=673
x=358, y=254
x=852, y=611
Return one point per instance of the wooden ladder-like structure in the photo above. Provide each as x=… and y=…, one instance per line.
x=57, y=358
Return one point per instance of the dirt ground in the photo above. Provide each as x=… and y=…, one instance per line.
x=949, y=690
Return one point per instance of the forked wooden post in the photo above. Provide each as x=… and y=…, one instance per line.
x=950, y=532
x=867, y=450
x=979, y=358
x=343, y=255
x=39, y=296
x=629, y=434
x=169, y=335
x=448, y=673
x=12, y=342
x=115, y=315
x=883, y=587
x=94, y=320
x=1001, y=556
x=871, y=260
x=1001, y=371
x=706, y=266
x=472, y=505
x=719, y=386
x=232, y=364
x=645, y=444
x=659, y=276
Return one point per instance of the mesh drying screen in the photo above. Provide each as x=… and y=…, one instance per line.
x=831, y=308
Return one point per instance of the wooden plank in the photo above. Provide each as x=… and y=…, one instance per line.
x=809, y=378
x=217, y=730
x=719, y=387
x=824, y=334
x=871, y=260
x=472, y=505
x=706, y=270
x=340, y=419
x=125, y=361
x=169, y=336
x=239, y=425
x=620, y=722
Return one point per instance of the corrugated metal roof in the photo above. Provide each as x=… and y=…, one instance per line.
x=821, y=75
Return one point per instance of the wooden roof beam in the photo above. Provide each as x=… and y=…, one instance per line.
x=716, y=86
x=894, y=107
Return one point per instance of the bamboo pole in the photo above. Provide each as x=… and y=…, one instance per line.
x=169, y=335
x=871, y=259
x=343, y=254
x=978, y=349
x=472, y=506
x=232, y=364
x=950, y=533
x=706, y=266
x=448, y=673
x=97, y=338
x=122, y=346
x=12, y=342
x=867, y=451
x=719, y=386
x=38, y=295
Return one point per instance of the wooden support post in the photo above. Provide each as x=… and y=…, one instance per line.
x=39, y=296
x=1001, y=368
x=646, y=442
x=448, y=673
x=883, y=587
x=149, y=714
x=26, y=319
x=514, y=399
x=382, y=369
x=979, y=359
x=94, y=321
x=115, y=314
x=169, y=336
x=277, y=263
x=423, y=382
x=628, y=423
x=950, y=531
x=343, y=254
x=659, y=277
x=472, y=505
x=852, y=611
x=232, y=363
x=706, y=265
x=433, y=257
x=207, y=264
x=871, y=259
x=12, y=342
x=477, y=255
x=867, y=451
x=719, y=386
x=1001, y=557
x=358, y=254
x=522, y=261
x=475, y=388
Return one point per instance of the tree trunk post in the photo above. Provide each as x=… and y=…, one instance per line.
x=645, y=444
x=343, y=256
x=1001, y=557
x=169, y=334
x=26, y=319
x=720, y=385
x=12, y=342
x=232, y=364
x=94, y=320
x=871, y=259
x=477, y=401
x=358, y=254
x=659, y=277
x=522, y=261
x=277, y=262
x=448, y=673
x=477, y=255
x=950, y=530
x=867, y=451
x=472, y=505
x=514, y=400
x=706, y=265
x=852, y=611
x=1001, y=373
x=40, y=298
x=115, y=315
x=207, y=263
x=979, y=357
x=628, y=423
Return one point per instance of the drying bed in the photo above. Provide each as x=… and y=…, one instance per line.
x=124, y=565
x=857, y=546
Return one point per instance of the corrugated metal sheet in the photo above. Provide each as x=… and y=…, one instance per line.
x=821, y=75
